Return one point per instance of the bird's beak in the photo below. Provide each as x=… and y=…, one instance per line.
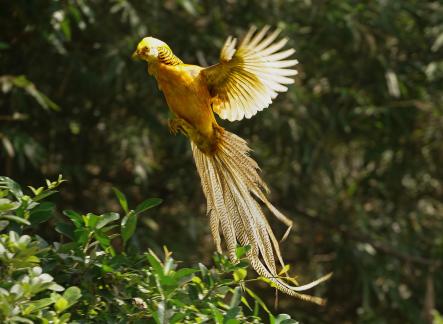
x=135, y=55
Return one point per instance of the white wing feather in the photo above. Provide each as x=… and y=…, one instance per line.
x=248, y=78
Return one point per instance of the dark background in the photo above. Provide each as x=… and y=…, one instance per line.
x=353, y=152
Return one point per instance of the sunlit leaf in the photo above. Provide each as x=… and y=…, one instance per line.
x=121, y=199
x=148, y=204
x=107, y=218
x=240, y=274
x=75, y=217
x=128, y=225
x=16, y=219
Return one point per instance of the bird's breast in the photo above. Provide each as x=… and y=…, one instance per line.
x=187, y=95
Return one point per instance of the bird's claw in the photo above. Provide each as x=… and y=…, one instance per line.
x=176, y=125
x=173, y=129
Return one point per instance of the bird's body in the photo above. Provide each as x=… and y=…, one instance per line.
x=245, y=81
x=187, y=94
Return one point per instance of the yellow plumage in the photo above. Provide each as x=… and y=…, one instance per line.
x=245, y=81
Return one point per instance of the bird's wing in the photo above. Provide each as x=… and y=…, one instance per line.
x=248, y=78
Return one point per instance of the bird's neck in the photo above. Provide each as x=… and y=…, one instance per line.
x=166, y=56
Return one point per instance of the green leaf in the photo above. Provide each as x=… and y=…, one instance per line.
x=246, y=303
x=236, y=297
x=438, y=319
x=231, y=314
x=256, y=309
x=41, y=213
x=90, y=220
x=55, y=287
x=22, y=82
x=65, y=229
x=6, y=205
x=20, y=319
x=121, y=199
x=44, y=194
x=107, y=218
x=240, y=274
x=232, y=320
x=12, y=186
x=129, y=223
x=16, y=219
x=61, y=304
x=3, y=224
x=284, y=270
x=241, y=251
x=218, y=317
x=107, y=269
x=108, y=228
x=38, y=304
x=36, y=191
x=81, y=235
x=102, y=238
x=3, y=193
x=168, y=281
x=258, y=300
x=184, y=272
x=284, y=319
x=75, y=217
x=64, y=319
x=147, y=204
x=72, y=295
x=177, y=317
x=155, y=264
x=204, y=270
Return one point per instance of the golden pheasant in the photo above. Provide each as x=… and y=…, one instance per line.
x=245, y=81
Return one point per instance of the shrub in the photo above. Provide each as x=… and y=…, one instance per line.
x=94, y=274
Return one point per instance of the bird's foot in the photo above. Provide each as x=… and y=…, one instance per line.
x=204, y=143
x=174, y=125
x=179, y=125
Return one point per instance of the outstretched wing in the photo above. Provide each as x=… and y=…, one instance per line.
x=248, y=78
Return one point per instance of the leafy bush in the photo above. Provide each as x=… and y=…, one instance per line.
x=94, y=274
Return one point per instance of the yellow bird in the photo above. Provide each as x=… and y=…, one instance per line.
x=245, y=81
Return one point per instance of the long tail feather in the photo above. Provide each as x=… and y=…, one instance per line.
x=232, y=185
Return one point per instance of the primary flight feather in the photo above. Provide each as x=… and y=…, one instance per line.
x=245, y=81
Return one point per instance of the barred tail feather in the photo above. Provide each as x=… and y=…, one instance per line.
x=230, y=181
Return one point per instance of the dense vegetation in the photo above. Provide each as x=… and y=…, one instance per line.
x=37, y=278
x=353, y=152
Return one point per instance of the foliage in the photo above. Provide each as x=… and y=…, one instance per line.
x=86, y=279
x=352, y=152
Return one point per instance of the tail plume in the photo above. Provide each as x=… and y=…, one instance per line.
x=233, y=187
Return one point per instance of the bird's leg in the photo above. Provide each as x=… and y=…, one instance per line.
x=180, y=125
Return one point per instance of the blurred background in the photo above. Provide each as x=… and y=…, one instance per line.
x=353, y=152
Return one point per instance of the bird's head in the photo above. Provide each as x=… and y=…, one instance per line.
x=148, y=49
